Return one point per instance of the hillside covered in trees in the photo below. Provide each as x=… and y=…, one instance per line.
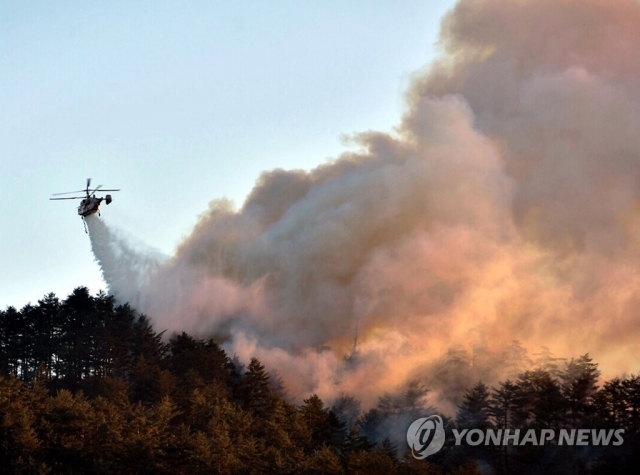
x=89, y=386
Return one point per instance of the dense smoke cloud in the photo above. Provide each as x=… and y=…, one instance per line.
x=505, y=204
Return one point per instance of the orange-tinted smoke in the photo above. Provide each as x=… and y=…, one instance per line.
x=505, y=204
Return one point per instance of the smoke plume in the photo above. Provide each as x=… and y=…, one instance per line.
x=504, y=206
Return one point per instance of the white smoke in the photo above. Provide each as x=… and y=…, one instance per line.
x=125, y=268
x=186, y=298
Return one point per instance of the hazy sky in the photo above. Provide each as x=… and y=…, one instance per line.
x=179, y=103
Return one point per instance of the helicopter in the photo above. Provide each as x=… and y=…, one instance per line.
x=90, y=204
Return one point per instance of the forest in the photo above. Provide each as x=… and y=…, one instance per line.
x=89, y=386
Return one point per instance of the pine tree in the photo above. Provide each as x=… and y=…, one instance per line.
x=78, y=336
x=389, y=449
x=631, y=391
x=107, y=445
x=19, y=407
x=28, y=316
x=348, y=409
x=202, y=358
x=146, y=342
x=324, y=426
x=539, y=400
x=277, y=386
x=369, y=423
x=475, y=410
x=10, y=328
x=408, y=401
x=257, y=396
x=611, y=403
x=579, y=387
x=47, y=335
x=356, y=441
x=234, y=446
x=69, y=428
x=116, y=337
x=149, y=382
x=323, y=461
x=475, y=413
x=502, y=406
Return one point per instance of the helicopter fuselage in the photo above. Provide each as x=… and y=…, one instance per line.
x=91, y=205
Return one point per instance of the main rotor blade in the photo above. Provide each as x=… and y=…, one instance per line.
x=107, y=190
x=68, y=192
x=88, y=183
x=96, y=188
x=71, y=198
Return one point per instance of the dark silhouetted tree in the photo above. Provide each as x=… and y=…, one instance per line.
x=348, y=409
x=539, y=400
x=579, y=386
x=324, y=426
x=257, y=395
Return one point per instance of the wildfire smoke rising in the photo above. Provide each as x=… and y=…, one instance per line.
x=506, y=204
